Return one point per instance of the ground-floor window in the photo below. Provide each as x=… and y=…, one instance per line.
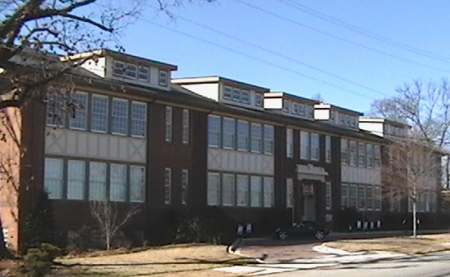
x=361, y=196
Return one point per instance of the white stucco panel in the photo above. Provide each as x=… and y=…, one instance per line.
x=96, y=146
x=243, y=162
x=358, y=175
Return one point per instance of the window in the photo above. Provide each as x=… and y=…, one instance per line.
x=163, y=79
x=256, y=137
x=286, y=106
x=377, y=198
x=185, y=138
x=118, y=182
x=304, y=145
x=99, y=113
x=289, y=193
x=361, y=154
x=97, y=181
x=131, y=71
x=236, y=96
x=268, y=139
x=228, y=189
x=168, y=125
x=144, y=73
x=56, y=110
x=289, y=143
x=243, y=135
x=119, y=116
x=258, y=100
x=118, y=68
x=78, y=118
x=76, y=179
x=293, y=107
x=328, y=196
x=369, y=197
x=268, y=192
x=352, y=196
x=137, y=184
x=255, y=191
x=228, y=133
x=167, y=185
x=138, y=119
x=245, y=96
x=369, y=155
x=213, y=198
x=361, y=197
x=328, y=149
x=315, y=147
x=184, y=186
x=344, y=196
x=214, y=133
x=377, y=155
x=53, y=178
x=227, y=93
x=242, y=190
x=344, y=151
x=353, y=153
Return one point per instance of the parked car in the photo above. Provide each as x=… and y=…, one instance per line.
x=303, y=229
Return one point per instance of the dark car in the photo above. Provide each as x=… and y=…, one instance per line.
x=303, y=229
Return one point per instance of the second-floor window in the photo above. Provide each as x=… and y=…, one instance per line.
x=185, y=135
x=79, y=116
x=268, y=139
x=243, y=135
x=138, y=119
x=289, y=143
x=304, y=145
x=256, y=137
x=119, y=116
x=168, y=124
x=344, y=151
x=328, y=149
x=214, y=131
x=99, y=116
x=228, y=133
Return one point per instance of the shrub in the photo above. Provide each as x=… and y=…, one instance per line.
x=38, y=261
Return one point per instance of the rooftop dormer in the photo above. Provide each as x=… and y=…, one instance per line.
x=225, y=90
x=127, y=68
x=336, y=115
x=290, y=105
x=384, y=127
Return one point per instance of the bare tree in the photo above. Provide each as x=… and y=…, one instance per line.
x=110, y=219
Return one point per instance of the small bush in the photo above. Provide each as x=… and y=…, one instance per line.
x=38, y=261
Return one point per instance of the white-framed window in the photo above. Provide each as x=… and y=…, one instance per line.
x=286, y=105
x=242, y=191
x=118, y=182
x=242, y=135
x=76, y=179
x=213, y=198
x=352, y=196
x=137, y=184
x=228, y=187
x=289, y=143
x=304, y=145
x=131, y=71
x=255, y=191
x=228, y=133
x=53, y=178
x=361, y=197
x=315, y=147
x=97, y=181
x=369, y=197
x=370, y=155
x=78, y=118
x=258, y=100
x=268, y=139
x=119, y=116
x=214, y=131
x=236, y=95
x=185, y=137
x=328, y=149
x=289, y=193
x=256, y=138
x=301, y=109
x=268, y=192
x=344, y=196
x=361, y=154
x=344, y=152
x=184, y=186
x=227, y=93
x=377, y=156
x=99, y=113
x=167, y=185
x=328, y=196
x=353, y=153
x=168, y=124
x=294, y=106
x=163, y=79
x=245, y=96
x=144, y=73
x=119, y=68
x=56, y=113
x=138, y=119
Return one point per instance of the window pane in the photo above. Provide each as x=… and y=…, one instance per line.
x=78, y=118
x=289, y=193
x=243, y=135
x=214, y=133
x=370, y=155
x=268, y=139
x=256, y=140
x=353, y=153
x=163, y=78
x=137, y=184
x=167, y=185
x=99, y=116
x=131, y=71
x=97, y=181
x=328, y=196
x=227, y=93
x=184, y=185
x=76, y=179
x=377, y=154
x=229, y=133
x=119, y=116
x=143, y=73
x=361, y=154
x=138, y=119
x=53, y=178
x=168, y=125
x=118, y=182
x=328, y=149
x=315, y=148
x=255, y=191
x=344, y=151
x=344, y=196
x=304, y=145
x=289, y=143
x=361, y=197
x=268, y=192
x=258, y=100
x=56, y=113
x=213, y=189
x=119, y=68
x=228, y=190
x=352, y=196
x=242, y=190
x=185, y=126
x=245, y=96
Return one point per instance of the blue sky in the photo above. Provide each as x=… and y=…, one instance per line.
x=302, y=47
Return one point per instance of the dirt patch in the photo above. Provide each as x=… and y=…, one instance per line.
x=406, y=245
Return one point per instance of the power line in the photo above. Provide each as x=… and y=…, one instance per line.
x=364, y=32
x=340, y=38
x=257, y=59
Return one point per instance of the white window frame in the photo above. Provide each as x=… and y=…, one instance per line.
x=362, y=154
x=117, y=182
x=227, y=93
x=256, y=137
x=314, y=142
x=286, y=106
x=168, y=118
x=185, y=135
x=289, y=193
x=327, y=149
x=137, y=184
x=56, y=113
x=269, y=138
x=213, y=187
x=97, y=183
x=242, y=190
x=214, y=131
x=131, y=71
x=122, y=67
x=256, y=191
x=163, y=78
x=345, y=154
x=119, y=119
x=228, y=133
x=228, y=190
x=80, y=112
x=76, y=179
x=289, y=143
x=143, y=75
x=353, y=153
x=305, y=148
x=138, y=123
x=54, y=178
x=268, y=194
x=243, y=135
x=100, y=118
x=258, y=100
